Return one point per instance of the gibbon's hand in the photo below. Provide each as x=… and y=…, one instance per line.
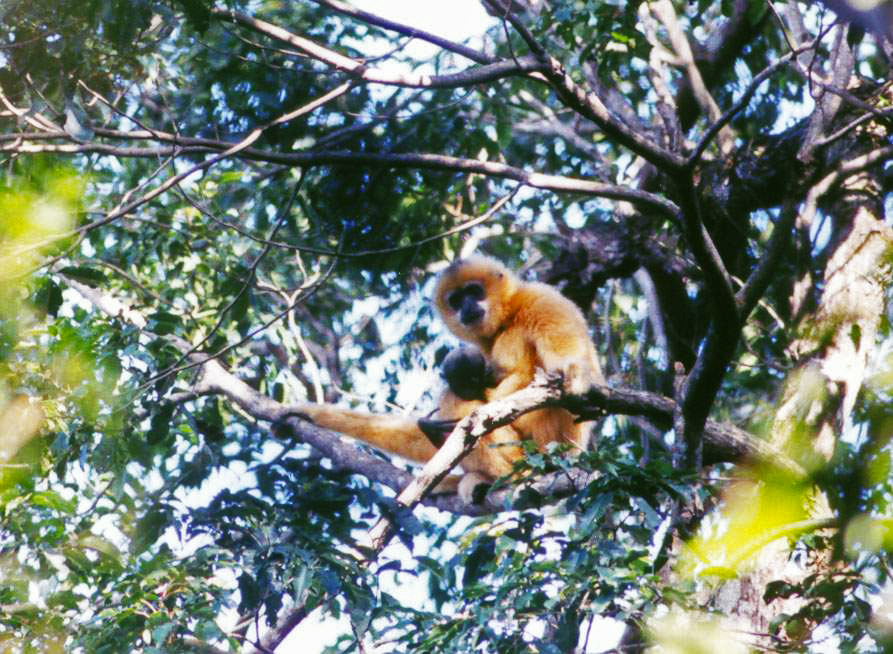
x=437, y=430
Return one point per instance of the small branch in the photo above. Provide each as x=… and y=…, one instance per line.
x=230, y=151
x=555, y=183
x=843, y=131
x=742, y=102
x=470, y=77
x=552, y=124
x=684, y=451
x=406, y=30
x=665, y=13
x=504, y=12
x=827, y=105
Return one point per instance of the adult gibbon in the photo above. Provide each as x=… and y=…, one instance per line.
x=517, y=327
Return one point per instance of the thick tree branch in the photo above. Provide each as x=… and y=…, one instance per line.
x=703, y=381
x=723, y=442
x=285, y=624
x=182, y=146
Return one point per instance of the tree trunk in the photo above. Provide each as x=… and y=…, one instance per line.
x=832, y=356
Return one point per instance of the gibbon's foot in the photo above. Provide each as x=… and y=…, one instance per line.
x=279, y=422
x=473, y=488
x=437, y=430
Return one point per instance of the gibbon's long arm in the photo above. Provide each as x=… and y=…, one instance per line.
x=468, y=375
x=400, y=435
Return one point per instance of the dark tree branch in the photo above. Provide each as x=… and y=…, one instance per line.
x=406, y=30
x=183, y=146
x=473, y=76
x=700, y=387
x=759, y=280
x=285, y=624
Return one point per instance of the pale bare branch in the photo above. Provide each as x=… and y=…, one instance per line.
x=360, y=70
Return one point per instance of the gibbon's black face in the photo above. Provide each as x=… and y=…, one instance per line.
x=467, y=301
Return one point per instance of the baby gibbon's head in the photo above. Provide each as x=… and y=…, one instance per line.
x=473, y=297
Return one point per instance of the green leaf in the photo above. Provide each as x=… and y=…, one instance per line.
x=160, y=424
x=92, y=277
x=48, y=297
x=198, y=14
x=856, y=335
x=249, y=591
x=482, y=553
x=162, y=322
x=52, y=500
x=148, y=529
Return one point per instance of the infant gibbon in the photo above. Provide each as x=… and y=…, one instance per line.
x=518, y=327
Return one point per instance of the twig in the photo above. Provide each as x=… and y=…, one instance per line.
x=742, y=102
x=468, y=224
x=229, y=152
x=359, y=70
x=406, y=30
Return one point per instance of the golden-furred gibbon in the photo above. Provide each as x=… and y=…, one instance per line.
x=516, y=327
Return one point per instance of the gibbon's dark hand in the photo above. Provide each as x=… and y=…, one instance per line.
x=437, y=430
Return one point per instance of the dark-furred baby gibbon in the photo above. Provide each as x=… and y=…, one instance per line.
x=517, y=327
